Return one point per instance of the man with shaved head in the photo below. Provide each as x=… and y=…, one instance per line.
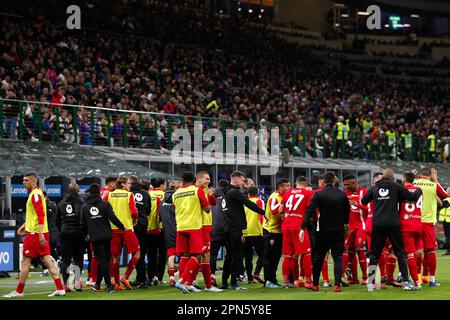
x=386, y=195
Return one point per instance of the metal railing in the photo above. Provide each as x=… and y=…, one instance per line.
x=89, y=125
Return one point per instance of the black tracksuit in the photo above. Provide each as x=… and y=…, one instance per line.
x=68, y=221
x=235, y=222
x=53, y=229
x=386, y=195
x=334, y=212
x=143, y=205
x=217, y=233
x=168, y=220
x=95, y=220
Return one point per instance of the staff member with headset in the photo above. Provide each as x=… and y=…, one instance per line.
x=233, y=203
x=96, y=216
x=331, y=228
x=386, y=195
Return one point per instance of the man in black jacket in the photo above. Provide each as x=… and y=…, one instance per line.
x=387, y=195
x=52, y=227
x=233, y=203
x=331, y=227
x=170, y=229
x=71, y=237
x=143, y=206
x=218, y=230
x=96, y=216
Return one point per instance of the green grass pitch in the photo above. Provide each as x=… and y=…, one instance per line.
x=38, y=287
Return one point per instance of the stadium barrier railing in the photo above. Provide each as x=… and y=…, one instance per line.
x=88, y=125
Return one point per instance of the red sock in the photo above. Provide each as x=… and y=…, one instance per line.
x=58, y=283
x=353, y=264
x=194, y=274
x=286, y=269
x=294, y=268
x=363, y=263
x=171, y=272
x=325, y=270
x=131, y=265
x=432, y=262
x=390, y=267
x=189, y=271
x=20, y=287
x=116, y=273
x=206, y=271
x=344, y=263
x=426, y=265
x=382, y=264
x=419, y=261
x=306, y=264
x=94, y=269
x=412, y=266
x=182, y=265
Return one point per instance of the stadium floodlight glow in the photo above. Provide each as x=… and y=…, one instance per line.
x=260, y=16
x=344, y=15
x=386, y=25
x=337, y=24
x=262, y=10
x=221, y=11
x=406, y=25
x=363, y=13
x=250, y=10
x=415, y=16
x=239, y=9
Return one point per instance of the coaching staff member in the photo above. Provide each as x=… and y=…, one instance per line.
x=386, y=195
x=68, y=219
x=331, y=228
x=233, y=203
x=143, y=206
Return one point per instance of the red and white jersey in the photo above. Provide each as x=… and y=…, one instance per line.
x=357, y=213
x=411, y=213
x=295, y=201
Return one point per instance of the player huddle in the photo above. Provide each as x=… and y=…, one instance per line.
x=179, y=222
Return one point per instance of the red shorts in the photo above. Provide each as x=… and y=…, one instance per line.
x=32, y=247
x=292, y=244
x=172, y=251
x=190, y=241
x=411, y=241
x=206, y=233
x=428, y=236
x=119, y=238
x=355, y=239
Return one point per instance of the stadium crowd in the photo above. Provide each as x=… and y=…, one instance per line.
x=174, y=60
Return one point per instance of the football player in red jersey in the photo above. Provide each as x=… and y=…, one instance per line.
x=355, y=242
x=411, y=227
x=294, y=205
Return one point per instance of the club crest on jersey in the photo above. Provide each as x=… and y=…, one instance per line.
x=138, y=197
x=383, y=192
x=69, y=208
x=224, y=203
x=94, y=211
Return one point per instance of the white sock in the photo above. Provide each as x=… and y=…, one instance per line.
x=432, y=279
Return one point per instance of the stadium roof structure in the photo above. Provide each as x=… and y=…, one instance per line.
x=67, y=160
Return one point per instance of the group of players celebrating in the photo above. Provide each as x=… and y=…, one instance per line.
x=125, y=214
